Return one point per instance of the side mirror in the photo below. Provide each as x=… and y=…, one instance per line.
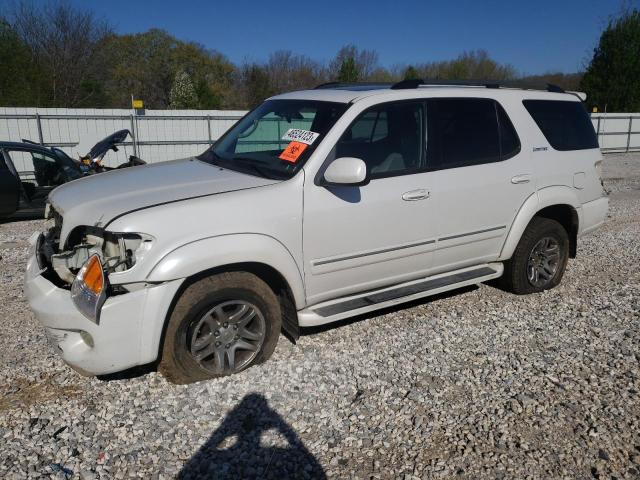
x=346, y=171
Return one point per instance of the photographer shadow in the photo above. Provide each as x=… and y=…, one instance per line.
x=253, y=441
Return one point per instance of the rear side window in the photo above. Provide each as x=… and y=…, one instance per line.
x=565, y=125
x=509, y=141
x=465, y=131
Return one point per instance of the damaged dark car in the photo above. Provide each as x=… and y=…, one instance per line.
x=29, y=172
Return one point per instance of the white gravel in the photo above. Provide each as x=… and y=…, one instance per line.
x=478, y=384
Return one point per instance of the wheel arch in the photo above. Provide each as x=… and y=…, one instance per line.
x=262, y=255
x=556, y=203
x=270, y=276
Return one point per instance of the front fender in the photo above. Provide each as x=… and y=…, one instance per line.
x=218, y=251
x=545, y=197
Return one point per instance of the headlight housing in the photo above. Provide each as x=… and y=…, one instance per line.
x=89, y=288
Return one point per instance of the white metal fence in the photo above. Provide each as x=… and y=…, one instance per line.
x=617, y=132
x=157, y=136
x=162, y=135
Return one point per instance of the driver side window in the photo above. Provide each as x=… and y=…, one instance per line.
x=388, y=138
x=37, y=169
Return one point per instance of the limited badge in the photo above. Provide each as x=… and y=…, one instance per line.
x=293, y=152
x=299, y=135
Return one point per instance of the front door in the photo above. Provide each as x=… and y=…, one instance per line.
x=359, y=238
x=9, y=189
x=39, y=173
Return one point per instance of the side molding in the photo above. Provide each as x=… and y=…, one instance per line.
x=545, y=197
x=212, y=252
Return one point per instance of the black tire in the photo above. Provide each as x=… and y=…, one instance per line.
x=178, y=364
x=515, y=278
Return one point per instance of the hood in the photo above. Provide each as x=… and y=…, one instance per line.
x=98, y=199
x=110, y=142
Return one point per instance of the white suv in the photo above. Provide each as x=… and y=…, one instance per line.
x=318, y=205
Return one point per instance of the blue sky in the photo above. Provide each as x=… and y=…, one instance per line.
x=534, y=36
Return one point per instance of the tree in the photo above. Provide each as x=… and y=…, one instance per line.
x=411, y=73
x=474, y=65
x=20, y=79
x=612, y=79
x=365, y=62
x=145, y=65
x=183, y=93
x=348, y=71
x=288, y=71
x=257, y=86
x=64, y=42
x=567, y=81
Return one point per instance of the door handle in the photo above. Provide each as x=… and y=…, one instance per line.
x=414, y=195
x=526, y=178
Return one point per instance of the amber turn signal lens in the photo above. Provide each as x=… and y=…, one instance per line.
x=92, y=276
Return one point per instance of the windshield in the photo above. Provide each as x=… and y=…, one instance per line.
x=275, y=139
x=68, y=165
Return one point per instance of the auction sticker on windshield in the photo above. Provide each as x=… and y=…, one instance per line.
x=293, y=152
x=299, y=135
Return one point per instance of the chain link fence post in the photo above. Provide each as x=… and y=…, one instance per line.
x=39, y=124
x=134, y=135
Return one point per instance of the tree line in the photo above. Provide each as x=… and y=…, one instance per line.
x=58, y=55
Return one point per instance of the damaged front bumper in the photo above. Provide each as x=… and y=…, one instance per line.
x=127, y=335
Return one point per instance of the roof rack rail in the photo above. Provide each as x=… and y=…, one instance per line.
x=407, y=84
x=416, y=83
x=351, y=84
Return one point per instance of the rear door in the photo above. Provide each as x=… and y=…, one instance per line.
x=567, y=147
x=480, y=178
x=9, y=189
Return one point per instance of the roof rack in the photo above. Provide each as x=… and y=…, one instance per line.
x=352, y=84
x=416, y=83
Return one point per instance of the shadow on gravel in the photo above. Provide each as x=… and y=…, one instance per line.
x=130, y=373
x=253, y=441
x=384, y=311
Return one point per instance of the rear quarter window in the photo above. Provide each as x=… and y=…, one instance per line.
x=566, y=125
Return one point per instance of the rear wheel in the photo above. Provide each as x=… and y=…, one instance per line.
x=540, y=258
x=220, y=325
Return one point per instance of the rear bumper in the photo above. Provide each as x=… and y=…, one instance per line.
x=594, y=214
x=128, y=333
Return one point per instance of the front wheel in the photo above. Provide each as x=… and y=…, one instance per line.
x=540, y=258
x=220, y=325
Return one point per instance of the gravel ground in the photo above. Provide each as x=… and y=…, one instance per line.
x=478, y=384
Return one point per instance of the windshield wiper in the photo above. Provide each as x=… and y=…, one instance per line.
x=258, y=167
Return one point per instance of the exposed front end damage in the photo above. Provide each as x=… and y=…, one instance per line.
x=96, y=326
x=118, y=252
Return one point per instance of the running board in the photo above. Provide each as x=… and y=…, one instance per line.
x=334, y=310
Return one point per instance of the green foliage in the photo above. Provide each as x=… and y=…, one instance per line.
x=146, y=64
x=63, y=45
x=411, y=73
x=567, y=81
x=257, y=85
x=475, y=65
x=612, y=80
x=348, y=71
x=20, y=83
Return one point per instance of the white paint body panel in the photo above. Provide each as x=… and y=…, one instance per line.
x=327, y=242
